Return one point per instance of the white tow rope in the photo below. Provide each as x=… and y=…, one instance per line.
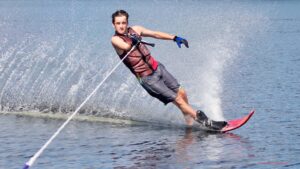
x=38, y=153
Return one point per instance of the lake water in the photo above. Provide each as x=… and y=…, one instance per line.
x=243, y=55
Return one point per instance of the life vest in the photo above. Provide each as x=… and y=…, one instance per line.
x=139, y=61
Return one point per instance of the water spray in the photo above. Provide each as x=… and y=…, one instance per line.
x=38, y=153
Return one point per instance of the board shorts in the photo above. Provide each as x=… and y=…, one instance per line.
x=161, y=85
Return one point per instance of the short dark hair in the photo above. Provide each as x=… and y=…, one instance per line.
x=119, y=13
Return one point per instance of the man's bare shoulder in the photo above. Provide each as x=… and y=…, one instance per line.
x=143, y=31
x=139, y=29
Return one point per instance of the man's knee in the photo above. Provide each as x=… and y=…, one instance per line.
x=179, y=100
x=181, y=92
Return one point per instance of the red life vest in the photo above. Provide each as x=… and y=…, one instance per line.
x=139, y=61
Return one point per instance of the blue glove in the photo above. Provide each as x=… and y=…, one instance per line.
x=180, y=41
x=135, y=39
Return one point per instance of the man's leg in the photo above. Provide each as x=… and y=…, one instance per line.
x=181, y=102
x=182, y=93
x=191, y=115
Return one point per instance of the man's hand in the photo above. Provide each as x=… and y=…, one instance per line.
x=135, y=39
x=180, y=41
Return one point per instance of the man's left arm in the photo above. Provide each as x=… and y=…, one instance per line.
x=154, y=34
x=161, y=35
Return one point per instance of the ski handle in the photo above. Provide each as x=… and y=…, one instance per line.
x=148, y=43
x=139, y=40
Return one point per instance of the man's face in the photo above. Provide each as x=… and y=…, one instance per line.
x=120, y=24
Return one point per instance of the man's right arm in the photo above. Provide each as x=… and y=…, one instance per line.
x=120, y=45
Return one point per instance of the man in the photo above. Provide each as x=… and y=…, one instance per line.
x=151, y=74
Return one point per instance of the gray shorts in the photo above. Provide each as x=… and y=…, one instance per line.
x=161, y=85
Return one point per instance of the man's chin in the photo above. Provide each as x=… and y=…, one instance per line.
x=121, y=32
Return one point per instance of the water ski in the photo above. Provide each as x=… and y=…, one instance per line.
x=237, y=123
x=233, y=124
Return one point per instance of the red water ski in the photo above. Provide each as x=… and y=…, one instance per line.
x=236, y=123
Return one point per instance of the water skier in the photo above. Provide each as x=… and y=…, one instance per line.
x=151, y=74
